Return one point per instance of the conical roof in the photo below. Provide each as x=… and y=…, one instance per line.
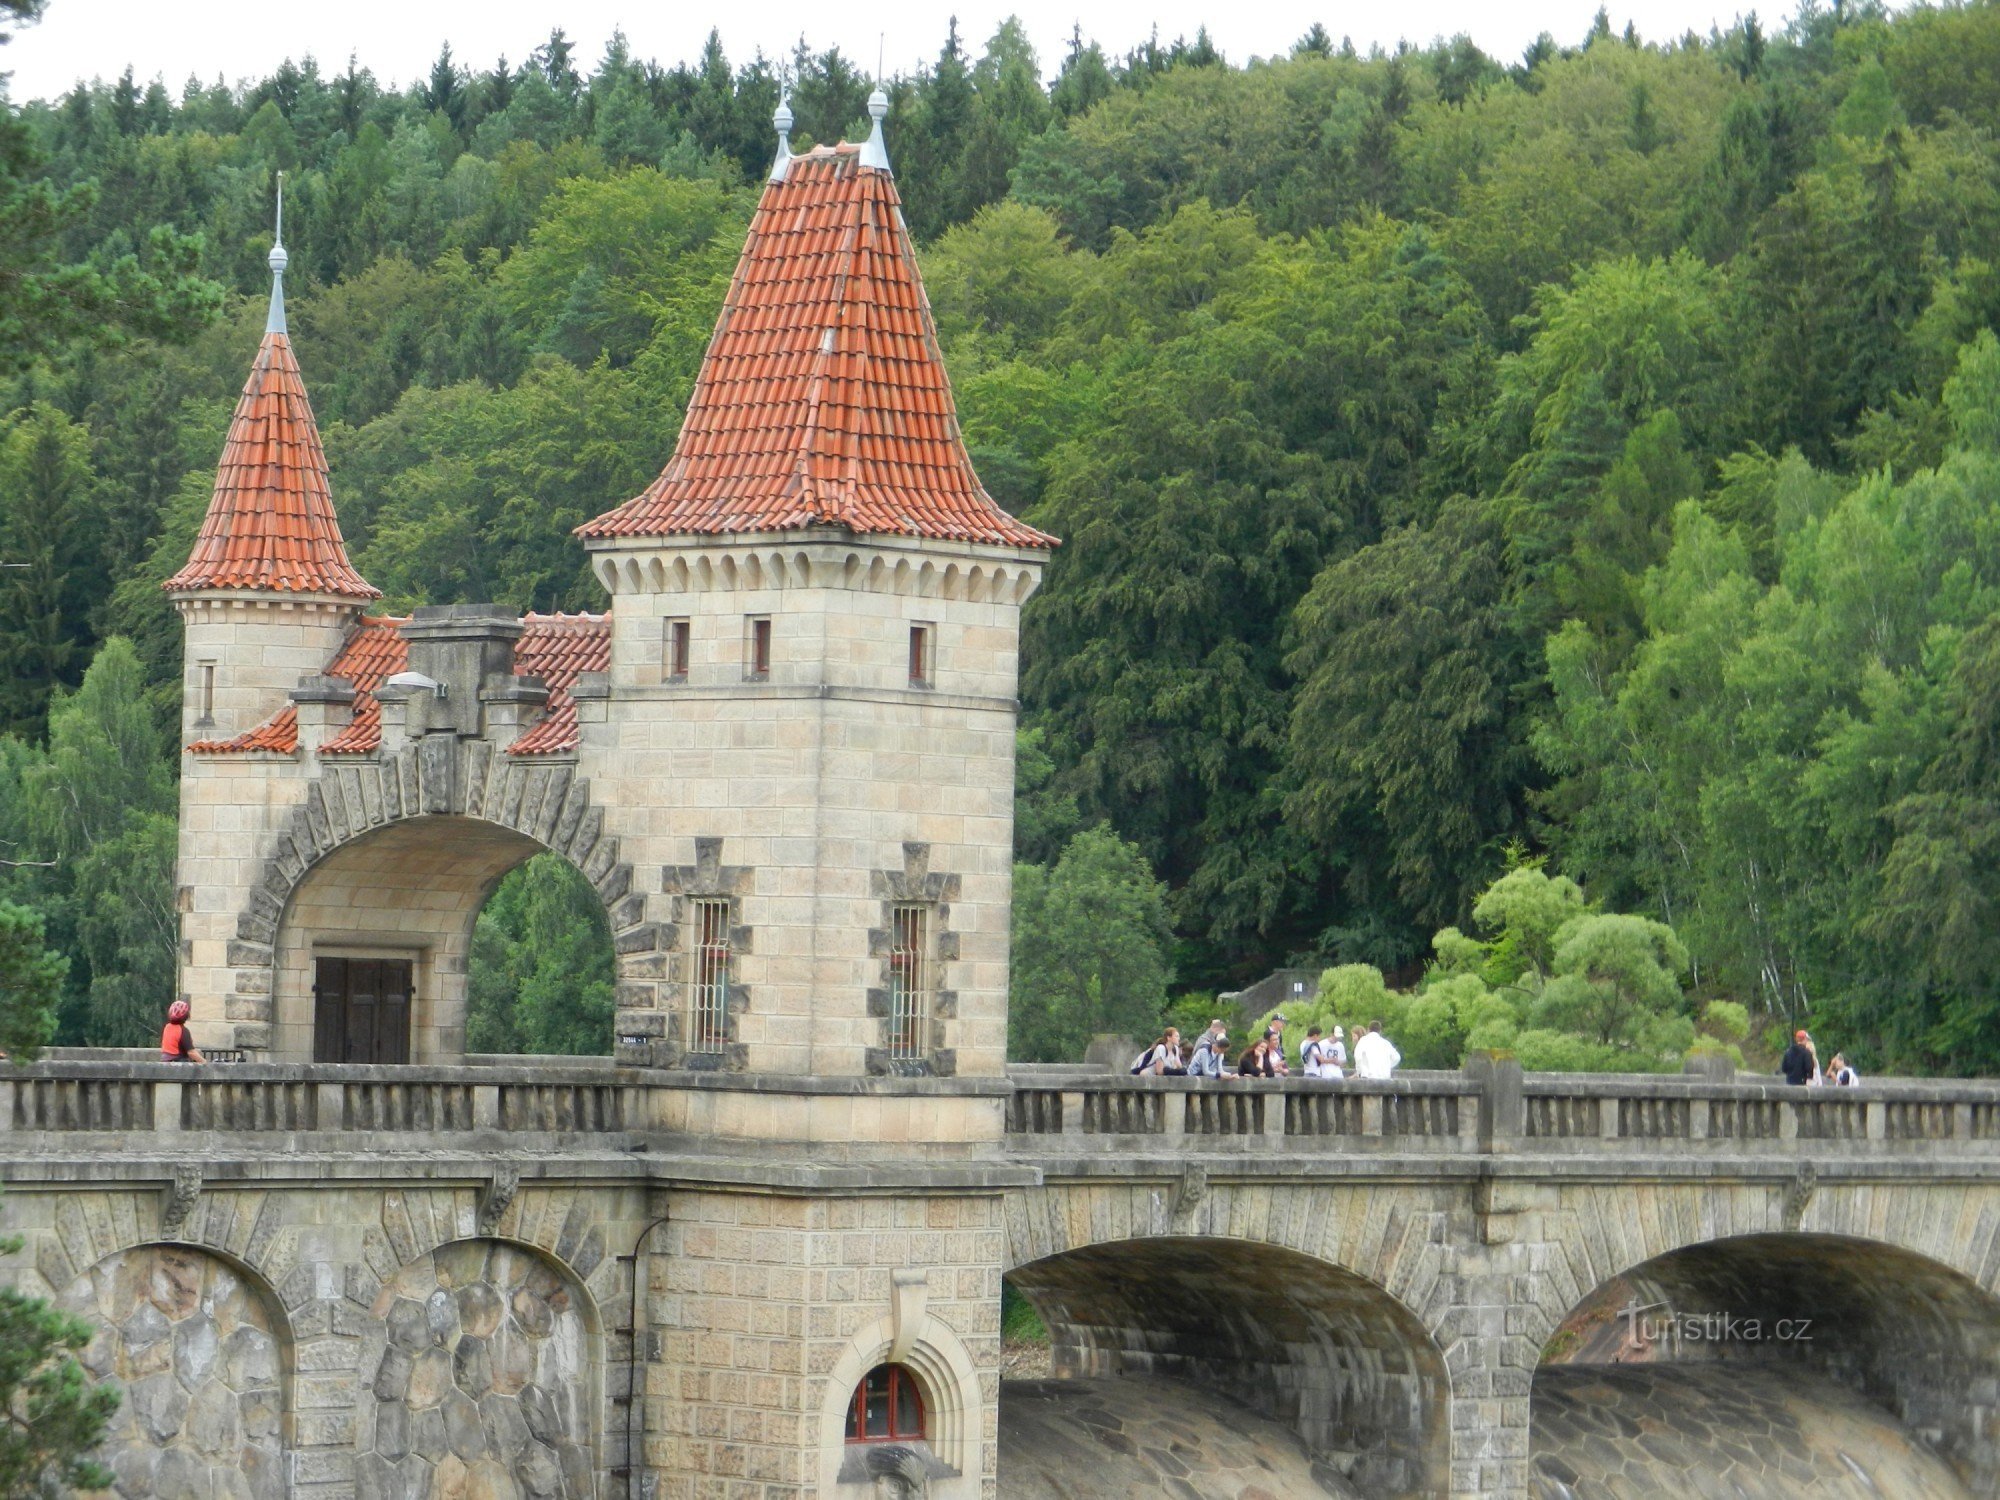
x=270, y=523
x=823, y=398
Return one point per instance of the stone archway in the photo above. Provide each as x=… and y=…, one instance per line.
x=399, y=852
x=481, y=1376
x=202, y=1353
x=1325, y=1352
x=1755, y=1324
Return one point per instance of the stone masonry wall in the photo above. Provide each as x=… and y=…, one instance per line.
x=760, y=1301
x=815, y=781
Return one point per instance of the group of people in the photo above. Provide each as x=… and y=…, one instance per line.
x=1800, y=1066
x=1321, y=1056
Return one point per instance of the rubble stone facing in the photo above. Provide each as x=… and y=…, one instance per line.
x=194, y=1349
x=476, y=1380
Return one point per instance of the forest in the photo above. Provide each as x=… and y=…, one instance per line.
x=1579, y=469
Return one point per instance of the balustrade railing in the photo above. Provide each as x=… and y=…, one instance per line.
x=1490, y=1107
x=1497, y=1108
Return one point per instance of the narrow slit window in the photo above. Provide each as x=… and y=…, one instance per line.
x=708, y=1019
x=758, y=664
x=207, y=691
x=921, y=649
x=679, y=639
x=909, y=982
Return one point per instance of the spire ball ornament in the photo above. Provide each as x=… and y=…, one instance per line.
x=874, y=152
x=274, y=322
x=781, y=118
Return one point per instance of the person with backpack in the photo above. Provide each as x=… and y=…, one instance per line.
x=176, y=1044
x=1163, y=1058
x=1840, y=1074
x=1209, y=1054
x=1316, y=1057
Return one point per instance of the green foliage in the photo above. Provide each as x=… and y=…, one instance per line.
x=30, y=984
x=87, y=828
x=1090, y=949
x=57, y=1414
x=541, y=974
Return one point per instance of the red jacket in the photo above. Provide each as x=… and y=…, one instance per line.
x=175, y=1043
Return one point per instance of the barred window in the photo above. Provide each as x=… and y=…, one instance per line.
x=708, y=1019
x=910, y=981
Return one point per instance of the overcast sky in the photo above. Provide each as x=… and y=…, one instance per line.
x=398, y=38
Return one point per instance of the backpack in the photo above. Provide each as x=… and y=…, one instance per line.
x=1311, y=1055
x=1145, y=1061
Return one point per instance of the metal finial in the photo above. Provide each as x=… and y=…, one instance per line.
x=782, y=118
x=874, y=153
x=275, y=323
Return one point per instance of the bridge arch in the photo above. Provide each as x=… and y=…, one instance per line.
x=201, y=1345
x=484, y=1370
x=393, y=857
x=1902, y=1327
x=1328, y=1352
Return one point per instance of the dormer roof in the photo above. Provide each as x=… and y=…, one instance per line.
x=822, y=399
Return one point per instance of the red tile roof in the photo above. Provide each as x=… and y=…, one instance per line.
x=556, y=648
x=823, y=397
x=559, y=649
x=373, y=654
x=270, y=523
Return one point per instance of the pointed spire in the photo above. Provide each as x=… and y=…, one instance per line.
x=270, y=526
x=275, y=323
x=782, y=118
x=874, y=152
x=822, y=399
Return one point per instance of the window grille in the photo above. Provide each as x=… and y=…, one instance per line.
x=909, y=981
x=708, y=1019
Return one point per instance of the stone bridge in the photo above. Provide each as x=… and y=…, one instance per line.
x=540, y=1278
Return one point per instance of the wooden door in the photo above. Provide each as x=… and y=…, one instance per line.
x=361, y=1010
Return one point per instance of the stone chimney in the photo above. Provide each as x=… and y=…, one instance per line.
x=467, y=650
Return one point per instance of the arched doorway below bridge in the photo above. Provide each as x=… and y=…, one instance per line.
x=1880, y=1361
x=376, y=943
x=1253, y=1331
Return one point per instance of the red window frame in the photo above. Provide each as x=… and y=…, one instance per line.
x=887, y=1388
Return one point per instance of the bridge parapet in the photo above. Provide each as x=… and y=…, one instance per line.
x=1490, y=1108
x=1498, y=1109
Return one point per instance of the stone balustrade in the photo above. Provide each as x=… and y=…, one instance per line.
x=1490, y=1107
x=1494, y=1107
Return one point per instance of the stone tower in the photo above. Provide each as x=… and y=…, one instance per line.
x=813, y=661
x=268, y=597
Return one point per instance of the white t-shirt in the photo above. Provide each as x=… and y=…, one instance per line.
x=1375, y=1056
